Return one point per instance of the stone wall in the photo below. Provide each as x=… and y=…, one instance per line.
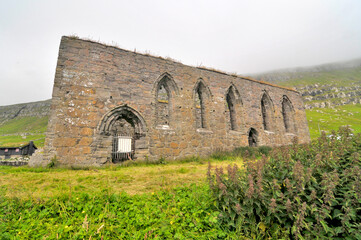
x=101, y=91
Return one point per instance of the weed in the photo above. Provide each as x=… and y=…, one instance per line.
x=53, y=162
x=299, y=191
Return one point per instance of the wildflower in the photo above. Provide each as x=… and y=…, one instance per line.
x=275, y=184
x=313, y=195
x=223, y=188
x=232, y=172
x=250, y=190
x=298, y=174
x=238, y=208
x=273, y=205
x=259, y=181
x=288, y=206
x=288, y=185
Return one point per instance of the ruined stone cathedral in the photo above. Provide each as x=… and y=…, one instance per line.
x=111, y=105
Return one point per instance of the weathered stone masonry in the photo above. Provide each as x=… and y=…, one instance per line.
x=168, y=109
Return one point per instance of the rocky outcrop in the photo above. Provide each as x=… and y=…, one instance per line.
x=32, y=109
x=341, y=83
x=330, y=95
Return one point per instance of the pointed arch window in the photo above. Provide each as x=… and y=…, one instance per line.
x=166, y=89
x=288, y=115
x=202, y=95
x=162, y=105
x=267, y=112
x=233, y=102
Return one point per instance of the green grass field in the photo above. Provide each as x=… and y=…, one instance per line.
x=328, y=119
x=166, y=201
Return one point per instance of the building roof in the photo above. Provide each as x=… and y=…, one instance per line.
x=20, y=147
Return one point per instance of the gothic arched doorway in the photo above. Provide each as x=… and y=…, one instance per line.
x=126, y=127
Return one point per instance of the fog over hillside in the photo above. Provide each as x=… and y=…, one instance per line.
x=282, y=75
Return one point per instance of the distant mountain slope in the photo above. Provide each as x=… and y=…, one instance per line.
x=331, y=93
x=21, y=123
x=322, y=74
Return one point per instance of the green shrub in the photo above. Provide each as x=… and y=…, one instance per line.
x=244, y=152
x=299, y=191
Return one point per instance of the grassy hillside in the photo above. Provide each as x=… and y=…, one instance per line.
x=339, y=77
x=328, y=119
x=20, y=131
x=24, y=122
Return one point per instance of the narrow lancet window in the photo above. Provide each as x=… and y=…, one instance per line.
x=166, y=90
x=231, y=103
x=266, y=108
x=162, y=105
x=201, y=99
x=288, y=115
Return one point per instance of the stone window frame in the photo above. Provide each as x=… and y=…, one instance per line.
x=171, y=87
x=107, y=121
x=267, y=121
x=203, y=126
x=238, y=105
x=292, y=130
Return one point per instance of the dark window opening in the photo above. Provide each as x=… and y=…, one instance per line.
x=266, y=112
x=231, y=102
x=201, y=106
x=288, y=116
x=252, y=138
x=166, y=91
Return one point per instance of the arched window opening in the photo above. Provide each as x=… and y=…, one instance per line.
x=232, y=103
x=163, y=105
x=288, y=115
x=266, y=108
x=166, y=89
x=201, y=97
x=253, y=138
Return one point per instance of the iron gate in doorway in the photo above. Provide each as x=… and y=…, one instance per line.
x=123, y=148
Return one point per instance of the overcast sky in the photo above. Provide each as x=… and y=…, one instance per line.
x=243, y=36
